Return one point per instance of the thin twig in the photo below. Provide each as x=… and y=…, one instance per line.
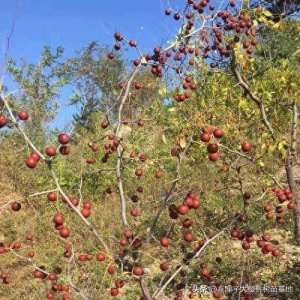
x=252, y=159
x=43, y=193
x=5, y=205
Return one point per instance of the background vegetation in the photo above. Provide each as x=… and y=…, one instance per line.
x=160, y=138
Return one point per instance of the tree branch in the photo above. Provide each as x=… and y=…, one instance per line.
x=253, y=97
x=120, y=147
x=145, y=289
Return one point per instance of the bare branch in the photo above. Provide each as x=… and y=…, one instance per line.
x=42, y=193
x=145, y=290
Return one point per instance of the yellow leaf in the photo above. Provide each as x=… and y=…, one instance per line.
x=243, y=104
x=182, y=142
x=162, y=91
x=164, y=139
x=296, y=52
x=267, y=13
x=282, y=145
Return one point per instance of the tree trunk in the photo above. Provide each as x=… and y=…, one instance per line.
x=292, y=186
x=289, y=167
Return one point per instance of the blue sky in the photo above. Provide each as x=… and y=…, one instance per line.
x=74, y=23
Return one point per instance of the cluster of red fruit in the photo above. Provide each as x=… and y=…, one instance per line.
x=188, y=86
x=23, y=115
x=283, y=195
x=140, y=156
x=118, y=45
x=14, y=245
x=110, y=147
x=114, y=291
x=87, y=205
x=267, y=247
x=58, y=221
x=119, y=283
x=39, y=274
x=285, y=198
x=191, y=201
x=248, y=238
x=241, y=24
x=100, y=257
x=198, y=7
x=59, y=217
x=32, y=161
x=63, y=289
x=64, y=149
x=227, y=21
x=86, y=209
x=127, y=240
x=212, y=148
